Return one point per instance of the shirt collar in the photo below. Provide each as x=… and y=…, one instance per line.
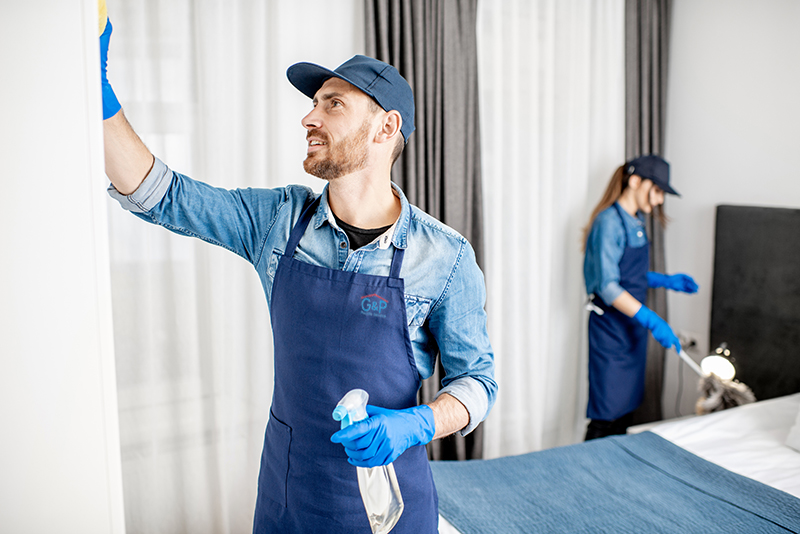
x=398, y=231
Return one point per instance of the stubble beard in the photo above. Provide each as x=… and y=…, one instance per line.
x=346, y=156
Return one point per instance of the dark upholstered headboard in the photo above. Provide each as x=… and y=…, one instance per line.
x=755, y=305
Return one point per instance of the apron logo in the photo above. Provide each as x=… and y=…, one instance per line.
x=374, y=305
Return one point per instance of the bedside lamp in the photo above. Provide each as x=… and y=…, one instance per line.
x=719, y=363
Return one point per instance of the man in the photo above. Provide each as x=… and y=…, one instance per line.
x=363, y=291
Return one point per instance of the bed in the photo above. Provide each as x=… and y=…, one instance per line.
x=728, y=471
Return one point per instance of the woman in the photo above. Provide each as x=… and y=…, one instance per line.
x=616, y=273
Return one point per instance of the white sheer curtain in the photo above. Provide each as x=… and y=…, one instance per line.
x=203, y=83
x=552, y=116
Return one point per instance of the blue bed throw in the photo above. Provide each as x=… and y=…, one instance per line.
x=640, y=483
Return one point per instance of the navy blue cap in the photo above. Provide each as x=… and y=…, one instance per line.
x=377, y=79
x=653, y=168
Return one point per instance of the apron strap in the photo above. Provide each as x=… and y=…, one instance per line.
x=622, y=220
x=300, y=228
x=397, y=262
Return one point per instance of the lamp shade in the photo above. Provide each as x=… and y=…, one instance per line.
x=719, y=363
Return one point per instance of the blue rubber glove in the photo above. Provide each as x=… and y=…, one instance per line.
x=659, y=327
x=110, y=103
x=385, y=435
x=676, y=282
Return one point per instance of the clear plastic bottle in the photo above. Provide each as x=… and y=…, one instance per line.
x=379, y=489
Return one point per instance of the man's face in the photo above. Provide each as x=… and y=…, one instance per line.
x=338, y=128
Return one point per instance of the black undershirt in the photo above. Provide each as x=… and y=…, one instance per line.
x=359, y=237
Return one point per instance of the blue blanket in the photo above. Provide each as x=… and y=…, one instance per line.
x=622, y=484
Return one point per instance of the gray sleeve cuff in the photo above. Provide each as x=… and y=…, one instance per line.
x=471, y=394
x=150, y=191
x=610, y=292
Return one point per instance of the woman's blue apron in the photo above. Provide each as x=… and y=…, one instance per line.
x=335, y=331
x=618, y=344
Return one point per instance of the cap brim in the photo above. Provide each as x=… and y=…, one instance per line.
x=664, y=187
x=309, y=77
x=668, y=189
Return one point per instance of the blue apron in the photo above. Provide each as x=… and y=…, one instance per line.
x=618, y=344
x=334, y=331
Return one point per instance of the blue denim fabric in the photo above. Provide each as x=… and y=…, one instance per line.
x=444, y=287
x=604, y=248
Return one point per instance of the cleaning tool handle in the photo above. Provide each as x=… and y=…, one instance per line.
x=691, y=363
x=102, y=13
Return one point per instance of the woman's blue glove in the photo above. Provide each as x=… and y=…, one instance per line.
x=659, y=327
x=110, y=103
x=385, y=435
x=676, y=282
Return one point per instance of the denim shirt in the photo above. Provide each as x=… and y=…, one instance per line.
x=444, y=287
x=604, y=248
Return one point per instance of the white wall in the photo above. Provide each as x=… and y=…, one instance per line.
x=59, y=451
x=732, y=137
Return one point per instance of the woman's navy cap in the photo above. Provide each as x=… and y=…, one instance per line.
x=653, y=168
x=377, y=79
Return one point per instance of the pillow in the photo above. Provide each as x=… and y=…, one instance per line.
x=793, y=439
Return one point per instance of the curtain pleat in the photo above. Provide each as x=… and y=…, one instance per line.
x=646, y=62
x=433, y=44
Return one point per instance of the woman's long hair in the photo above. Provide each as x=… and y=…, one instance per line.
x=618, y=183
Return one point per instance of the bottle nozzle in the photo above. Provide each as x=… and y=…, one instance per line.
x=352, y=407
x=340, y=412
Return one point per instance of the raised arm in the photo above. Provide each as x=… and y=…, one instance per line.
x=128, y=161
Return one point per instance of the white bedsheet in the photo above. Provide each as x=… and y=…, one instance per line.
x=749, y=440
x=445, y=527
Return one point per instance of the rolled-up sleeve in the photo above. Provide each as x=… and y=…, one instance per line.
x=458, y=322
x=610, y=292
x=236, y=219
x=150, y=191
x=604, y=249
x=472, y=394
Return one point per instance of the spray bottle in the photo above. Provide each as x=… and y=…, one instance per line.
x=378, y=485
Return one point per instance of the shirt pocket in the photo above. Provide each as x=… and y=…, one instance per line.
x=272, y=266
x=417, y=309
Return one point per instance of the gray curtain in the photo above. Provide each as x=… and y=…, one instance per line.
x=646, y=58
x=433, y=45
